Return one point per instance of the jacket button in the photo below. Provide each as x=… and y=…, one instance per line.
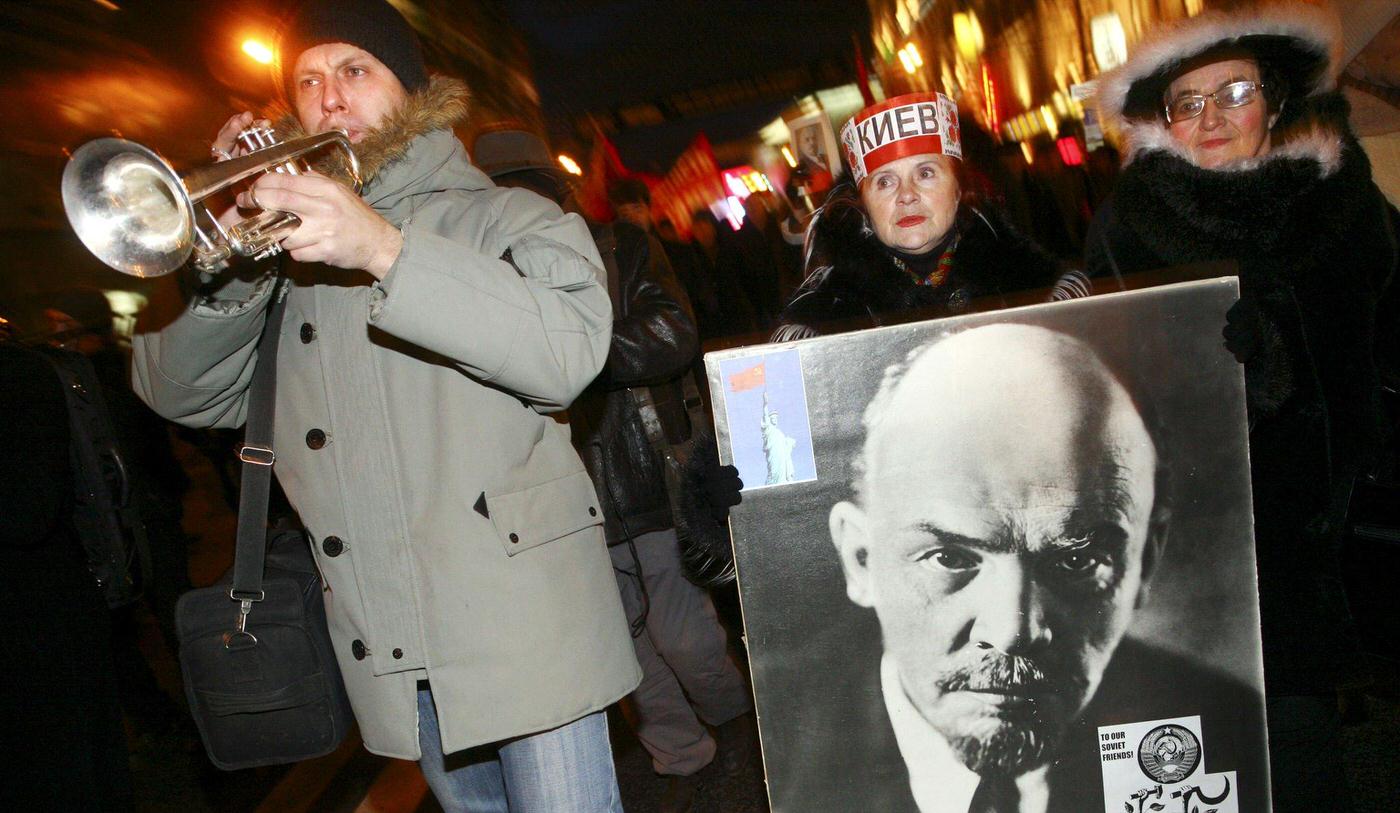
x=315, y=438
x=333, y=546
x=398, y=654
x=592, y=512
x=357, y=648
x=514, y=538
x=308, y=332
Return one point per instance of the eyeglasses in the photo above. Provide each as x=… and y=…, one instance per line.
x=1235, y=94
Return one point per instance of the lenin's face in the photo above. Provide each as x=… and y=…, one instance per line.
x=1003, y=541
x=809, y=143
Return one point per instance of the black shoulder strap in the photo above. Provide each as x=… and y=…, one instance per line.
x=257, y=456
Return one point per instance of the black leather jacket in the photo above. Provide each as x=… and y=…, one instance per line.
x=653, y=343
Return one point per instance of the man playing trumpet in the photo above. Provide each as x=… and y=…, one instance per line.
x=432, y=324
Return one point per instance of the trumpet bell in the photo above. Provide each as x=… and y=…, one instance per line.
x=129, y=207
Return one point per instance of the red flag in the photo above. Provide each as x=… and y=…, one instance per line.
x=693, y=183
x=604, y=165
x=862, y=75
x=747, y=379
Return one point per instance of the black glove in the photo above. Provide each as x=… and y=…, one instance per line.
x=708, y=491
x=1244, y=330
x=721, y=487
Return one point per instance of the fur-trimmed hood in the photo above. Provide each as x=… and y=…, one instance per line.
x=1300, y=41
x=441, y=104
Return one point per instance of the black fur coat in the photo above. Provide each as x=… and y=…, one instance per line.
x=1316, y=245
x=854, y=282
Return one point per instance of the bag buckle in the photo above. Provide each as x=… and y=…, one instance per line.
x=257, y=455
x=240, y=637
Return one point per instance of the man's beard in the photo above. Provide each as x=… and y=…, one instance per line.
x=1021, y=739
x=373, y=143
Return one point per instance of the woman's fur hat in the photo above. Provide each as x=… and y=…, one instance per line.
x=1295, y=42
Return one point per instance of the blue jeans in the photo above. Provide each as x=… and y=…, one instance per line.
x=564, y=770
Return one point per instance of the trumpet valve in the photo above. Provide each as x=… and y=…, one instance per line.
x=260, y=138
x=257, y=138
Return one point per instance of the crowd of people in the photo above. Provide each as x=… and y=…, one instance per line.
x=484, y=401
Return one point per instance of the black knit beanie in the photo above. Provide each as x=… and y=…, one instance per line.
x=373, y=25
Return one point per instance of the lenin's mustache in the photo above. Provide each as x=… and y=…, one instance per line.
x=1006, y=674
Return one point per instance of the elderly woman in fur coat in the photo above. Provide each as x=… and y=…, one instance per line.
x=1237, y=147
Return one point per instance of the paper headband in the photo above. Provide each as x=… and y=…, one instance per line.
x=912, y=124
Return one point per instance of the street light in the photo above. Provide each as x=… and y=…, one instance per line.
x=967, y=33
x=910, y=57
x=259, y=51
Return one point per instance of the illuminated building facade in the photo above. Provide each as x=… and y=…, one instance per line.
x=1011, y=63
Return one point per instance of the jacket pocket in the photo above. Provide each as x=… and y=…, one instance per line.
x=533, y=516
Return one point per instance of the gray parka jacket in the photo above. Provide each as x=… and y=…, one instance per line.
x=456, y=528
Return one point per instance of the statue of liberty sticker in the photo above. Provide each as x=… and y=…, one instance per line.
x=770, y=435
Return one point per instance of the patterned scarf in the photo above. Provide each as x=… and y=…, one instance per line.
x=919, y=269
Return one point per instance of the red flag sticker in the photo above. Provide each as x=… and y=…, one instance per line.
x=747, y=379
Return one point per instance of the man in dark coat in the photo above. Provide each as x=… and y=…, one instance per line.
x=720, y=262
x=81, y=322
x=691, y=270
x=61, y=705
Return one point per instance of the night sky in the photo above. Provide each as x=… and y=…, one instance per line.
x=599, y=55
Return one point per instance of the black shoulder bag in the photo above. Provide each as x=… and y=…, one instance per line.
x=260, y=675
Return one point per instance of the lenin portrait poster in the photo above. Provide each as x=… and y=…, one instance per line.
x=1002, y=561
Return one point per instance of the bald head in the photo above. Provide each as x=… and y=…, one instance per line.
x=1006, y=405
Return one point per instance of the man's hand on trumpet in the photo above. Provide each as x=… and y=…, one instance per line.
x=226, y=146
x=337, y=227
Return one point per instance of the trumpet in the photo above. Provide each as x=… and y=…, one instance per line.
x=139, y=216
